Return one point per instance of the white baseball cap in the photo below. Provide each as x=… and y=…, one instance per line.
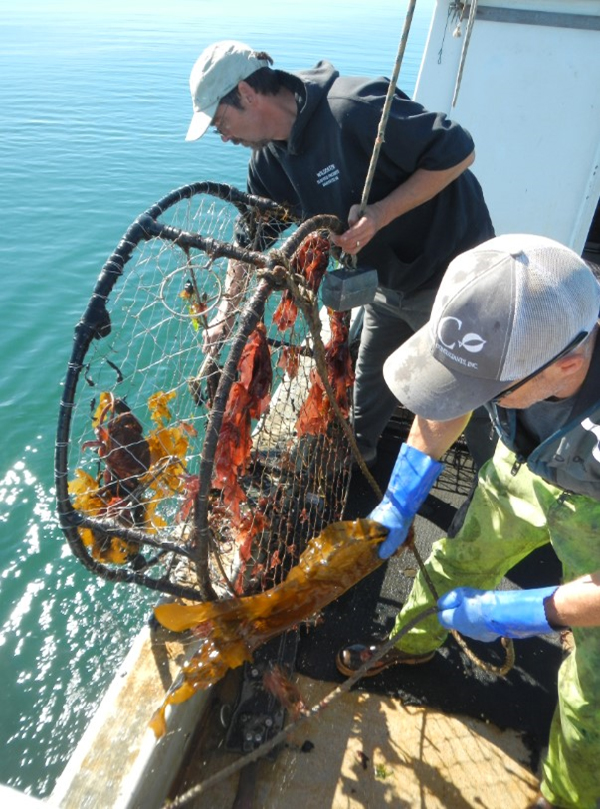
x=217, y=71
x=503, y=310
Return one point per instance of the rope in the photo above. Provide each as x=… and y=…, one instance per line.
x=509, y=662
x=386, y=107
x=309, y=713
x=465, y=47
x=384, y=648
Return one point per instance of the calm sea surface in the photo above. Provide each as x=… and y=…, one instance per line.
x=94, y=106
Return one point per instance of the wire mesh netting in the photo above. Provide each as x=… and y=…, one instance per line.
x=203, y=434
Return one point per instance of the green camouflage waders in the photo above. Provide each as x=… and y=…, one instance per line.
x=507, y=519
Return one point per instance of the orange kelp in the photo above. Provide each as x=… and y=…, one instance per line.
x=310, y=261
x=249, y=398
x=343, y=554
x=316, y=412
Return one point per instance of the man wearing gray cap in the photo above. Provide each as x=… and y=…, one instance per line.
x=514, y=325
x=312, y=135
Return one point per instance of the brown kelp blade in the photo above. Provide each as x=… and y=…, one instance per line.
x=343, y=554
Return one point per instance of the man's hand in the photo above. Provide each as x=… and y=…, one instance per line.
x=489, y=614
x=420, y=187
x=413, y=476
x=222, y=323
x=360, y=231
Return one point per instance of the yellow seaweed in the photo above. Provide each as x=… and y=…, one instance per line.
x=165, y=479
x=343, y=554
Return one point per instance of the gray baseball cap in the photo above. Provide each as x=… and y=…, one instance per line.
x=503, y=310
x=218, y=69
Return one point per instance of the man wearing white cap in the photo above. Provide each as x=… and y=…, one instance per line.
x=514, y=325
x=312, y=135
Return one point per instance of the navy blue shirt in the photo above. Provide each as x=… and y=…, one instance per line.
x=322, y=169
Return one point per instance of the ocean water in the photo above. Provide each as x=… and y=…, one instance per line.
x=94, y=106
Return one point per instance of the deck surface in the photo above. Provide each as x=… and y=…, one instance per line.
x=441, y=735
x=370, y=751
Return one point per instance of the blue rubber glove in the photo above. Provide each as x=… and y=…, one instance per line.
x=413, y=476
x=489, y=614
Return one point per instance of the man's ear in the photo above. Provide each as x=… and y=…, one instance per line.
x=572, y=364
x=246, y=92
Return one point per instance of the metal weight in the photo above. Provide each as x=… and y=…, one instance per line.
x=347, y=288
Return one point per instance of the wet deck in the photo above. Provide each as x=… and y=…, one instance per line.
x=442, y=735
x=371, y=751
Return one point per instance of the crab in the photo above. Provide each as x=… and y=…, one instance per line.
x=121, y=445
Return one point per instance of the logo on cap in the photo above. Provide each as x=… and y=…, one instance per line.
x=471, y=342
x=448, y=340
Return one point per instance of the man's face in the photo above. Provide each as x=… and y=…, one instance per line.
x=243, y=127
x=558, y=378
x=535, y=390
x=551, y=382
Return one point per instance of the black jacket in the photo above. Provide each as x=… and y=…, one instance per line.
x=323, y=166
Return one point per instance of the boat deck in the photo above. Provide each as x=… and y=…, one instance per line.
x=442, y=735
x=446, y=734
x=370, y=751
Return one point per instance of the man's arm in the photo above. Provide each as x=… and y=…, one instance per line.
x=434, y=438
x=489, y=614
x=420, y=187
x=221, y=324
x=415, y=471
x=576, y=603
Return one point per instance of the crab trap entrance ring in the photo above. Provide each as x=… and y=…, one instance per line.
x=156, y=483
x=208, y=303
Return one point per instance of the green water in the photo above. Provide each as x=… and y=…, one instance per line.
x=94, y=109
